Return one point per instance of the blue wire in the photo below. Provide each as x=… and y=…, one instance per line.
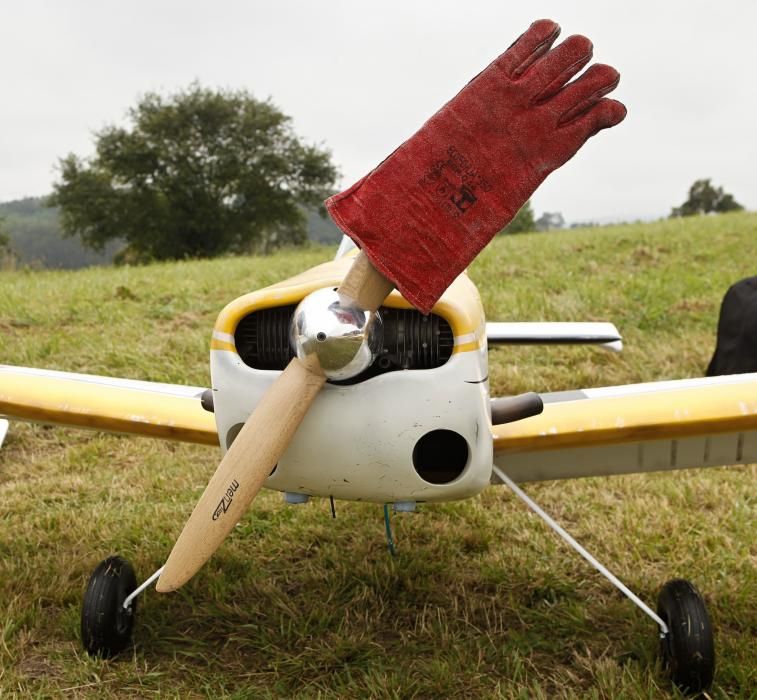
x=389, y=538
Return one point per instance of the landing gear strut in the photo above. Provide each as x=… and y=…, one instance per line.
x=686, y=643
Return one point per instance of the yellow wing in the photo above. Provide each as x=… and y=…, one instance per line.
x=634, y=428
x=167, y=411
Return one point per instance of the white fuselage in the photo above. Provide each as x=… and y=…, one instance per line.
x=357, y=441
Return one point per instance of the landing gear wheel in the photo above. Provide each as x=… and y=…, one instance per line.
x=105, y=625
x=688, y=650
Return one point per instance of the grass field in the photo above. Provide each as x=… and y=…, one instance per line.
x=481, y=600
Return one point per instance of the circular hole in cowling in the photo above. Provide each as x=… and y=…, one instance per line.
x=440, y=456
x=231, y=435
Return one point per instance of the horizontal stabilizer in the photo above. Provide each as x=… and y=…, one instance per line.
x=554, y=333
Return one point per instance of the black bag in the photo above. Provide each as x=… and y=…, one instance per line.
x=736, y=349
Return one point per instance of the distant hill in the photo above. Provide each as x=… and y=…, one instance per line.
x=38, y=240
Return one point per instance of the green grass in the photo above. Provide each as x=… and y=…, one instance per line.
x=481, y=601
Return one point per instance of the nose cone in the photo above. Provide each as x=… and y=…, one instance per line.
x=345, y=338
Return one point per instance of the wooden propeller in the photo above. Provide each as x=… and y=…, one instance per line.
x=392, y=211
x=260, y=444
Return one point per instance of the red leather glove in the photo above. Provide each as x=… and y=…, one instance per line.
x=427, y=210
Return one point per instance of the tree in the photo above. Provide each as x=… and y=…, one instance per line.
x=522, y=222
x=549, y=221
x=197, y=174
x=704, y=198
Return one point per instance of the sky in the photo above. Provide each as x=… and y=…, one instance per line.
x=361, y=77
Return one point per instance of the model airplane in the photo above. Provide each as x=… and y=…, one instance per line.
x=416, y=425
x=331, y=384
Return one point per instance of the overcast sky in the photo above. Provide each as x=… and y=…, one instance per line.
x=361, y=77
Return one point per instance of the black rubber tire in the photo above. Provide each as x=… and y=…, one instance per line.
x=105, y=626
x=688, y=650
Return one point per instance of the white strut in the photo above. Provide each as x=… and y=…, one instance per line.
x=614, y=580
x=142, y=587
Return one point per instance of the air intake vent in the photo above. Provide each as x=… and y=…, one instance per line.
x=411, y=340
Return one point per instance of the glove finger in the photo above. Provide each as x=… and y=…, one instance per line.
x=601, y=115
x=580, y=95
x=528, y=47
x=555, y=69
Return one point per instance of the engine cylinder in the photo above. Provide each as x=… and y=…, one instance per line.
x=410, y=341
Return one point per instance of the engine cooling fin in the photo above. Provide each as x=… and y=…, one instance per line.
x=411, y=341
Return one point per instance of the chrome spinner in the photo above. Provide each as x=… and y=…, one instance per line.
x=344, y=337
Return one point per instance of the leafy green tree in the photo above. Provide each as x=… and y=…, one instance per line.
x=523, y=222
x=196, y=174
x=704, y=198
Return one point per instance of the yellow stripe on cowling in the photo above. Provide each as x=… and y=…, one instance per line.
x=467, y=347
x=670, y=414
x=221, y=345
x=103, y=407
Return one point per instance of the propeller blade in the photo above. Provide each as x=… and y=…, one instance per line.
x=241, y=473
x=260, y=444
x=364, y=285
